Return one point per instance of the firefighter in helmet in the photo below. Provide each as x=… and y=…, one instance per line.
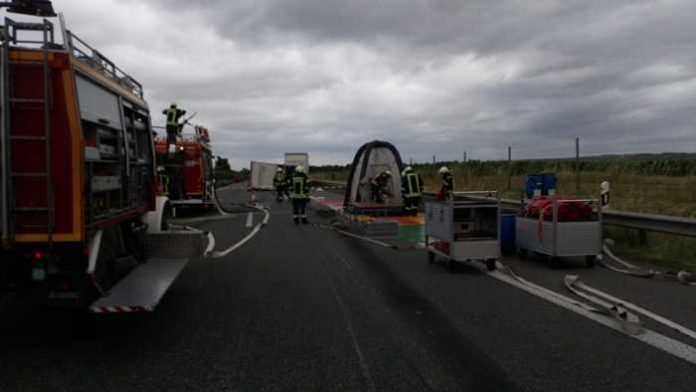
x=173, y=114
x=299, y=195
x=280, y=183
x=412, y=190
x=446, y=185
x=379, y=187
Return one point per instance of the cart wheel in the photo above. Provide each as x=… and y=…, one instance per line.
x=490, y=264
x=554, y=261
x=451, y=265
x=431, y=257
x=522, y=252
x=590, y=261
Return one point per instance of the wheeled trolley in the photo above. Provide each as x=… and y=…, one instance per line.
x=464, y=228
x=558, y=234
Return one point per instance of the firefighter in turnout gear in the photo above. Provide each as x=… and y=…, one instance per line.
x=412, y=190
x=447, y=184
x=173, y=114
x=299, y=195
x=280, y=183
x=379, y=187
x=163, y=180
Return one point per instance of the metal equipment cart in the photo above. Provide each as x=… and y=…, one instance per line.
x=464, y=228
x=562, y=238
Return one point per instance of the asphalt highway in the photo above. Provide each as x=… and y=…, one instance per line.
x=305, y=308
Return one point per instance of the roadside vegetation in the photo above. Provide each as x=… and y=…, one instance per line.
x=651, y=183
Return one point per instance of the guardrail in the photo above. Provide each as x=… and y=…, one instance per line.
x=633, y=220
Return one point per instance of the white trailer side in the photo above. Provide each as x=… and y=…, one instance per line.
x=294, y=159
x=261, y=175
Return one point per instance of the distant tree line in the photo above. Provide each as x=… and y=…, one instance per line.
x=667, y=164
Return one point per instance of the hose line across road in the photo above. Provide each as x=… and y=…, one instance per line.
x=303, y=307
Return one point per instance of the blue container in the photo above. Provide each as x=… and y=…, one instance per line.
x=507, y=233
x=540, y=184
x=535, y=182
x=548, y=187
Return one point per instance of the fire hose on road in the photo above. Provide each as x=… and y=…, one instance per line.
x=683, y=277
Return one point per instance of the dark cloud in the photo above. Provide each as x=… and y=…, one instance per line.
x=434, y=77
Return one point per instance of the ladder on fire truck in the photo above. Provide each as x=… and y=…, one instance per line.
x=8, y=136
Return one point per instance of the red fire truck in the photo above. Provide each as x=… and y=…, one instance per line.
x=186, y=170
x=80, y=219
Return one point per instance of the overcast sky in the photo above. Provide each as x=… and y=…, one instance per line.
x=432, y=77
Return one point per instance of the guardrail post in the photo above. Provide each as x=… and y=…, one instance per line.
x=642, y=237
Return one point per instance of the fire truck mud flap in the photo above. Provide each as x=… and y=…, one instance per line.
x=143, y=289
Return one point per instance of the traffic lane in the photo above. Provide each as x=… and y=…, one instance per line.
x=273, y=316
x=669, y=299
x=540, y=346
x=305, y=305
x=254, y=320
x=277, y=320
x=423, y=351
x=302, y=320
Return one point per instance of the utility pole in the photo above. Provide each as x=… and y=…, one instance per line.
x=464, y=157
x=577, y=164
x=509, y=167
x=433, y=159
x=410, y=161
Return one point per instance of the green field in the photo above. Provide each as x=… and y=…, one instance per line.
x=660, y=184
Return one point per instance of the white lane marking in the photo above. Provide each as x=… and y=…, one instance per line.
x=664, y=343
x=250, y=219
x=219, y=254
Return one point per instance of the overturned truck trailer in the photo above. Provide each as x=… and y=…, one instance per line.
x=372, y=159
x=261, y=176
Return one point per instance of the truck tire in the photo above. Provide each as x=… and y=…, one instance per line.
x=431, y=257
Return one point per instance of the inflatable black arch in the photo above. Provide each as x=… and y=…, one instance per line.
x=365, y=150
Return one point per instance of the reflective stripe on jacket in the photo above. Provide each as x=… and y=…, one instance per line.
x=299, y=187
x=412, y=186
x=171, y=116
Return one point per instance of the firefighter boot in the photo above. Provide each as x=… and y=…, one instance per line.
x=297, y=220
x=304, y=220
